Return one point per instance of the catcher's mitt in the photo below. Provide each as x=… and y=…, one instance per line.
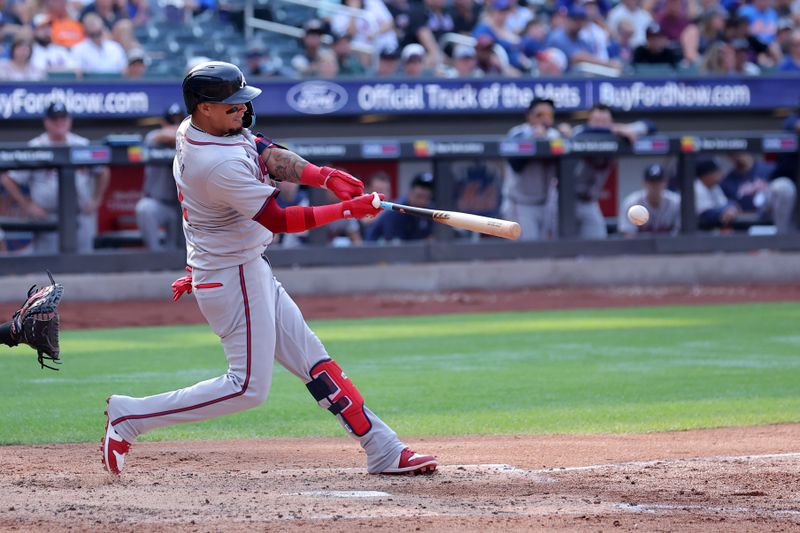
x=36, y=322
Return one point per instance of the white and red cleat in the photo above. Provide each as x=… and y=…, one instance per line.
x=114, y=449
x=411, y=462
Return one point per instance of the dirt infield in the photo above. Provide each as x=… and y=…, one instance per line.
x=711, y=480
x=743, y=479
x=160, y=312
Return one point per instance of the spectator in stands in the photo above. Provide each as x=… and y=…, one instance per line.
x=375, y=26
x=763, y=19
x=427, y=22
x=349, y=63
x=591, y=173
x=621, y=46
x=711, y=30
x=713, y=208
x=401, y=13
x=551, y=62
x=292, y=194
x=533, y=38
x=748, y=184
x=42, y=203
x=738, y=27
x=10, y=22
x=528, y=182
x=720, y=58
x=663, y=205
x=518, y=17
x=487, y=60
x=465, y=15
x=47, y=55
x=595, y=32
x=673, y=19
x=631, y=11
x=326, y=65
x=493, y=24
x=465, y=63
x=3, y=247
x=65, y=30
x=791, y=63
x=781, y=45
x=302, y=63
x=19, y=67
x=97, y=54
x=109, y=12
x=413, y=60
x=138, y=12
x=678, y=28
x=655, y=51
x=388, y=63
x=137, y=64
x=122, y=32
x=568, y=40
x=391, y=226
x=158, y=207
x=741, y=59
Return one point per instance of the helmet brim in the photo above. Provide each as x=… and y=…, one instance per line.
x=243, y=95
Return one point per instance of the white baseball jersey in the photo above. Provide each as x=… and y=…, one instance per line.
x=705, y=198
x=221, y=188
x=666, y=218
x=43, y=182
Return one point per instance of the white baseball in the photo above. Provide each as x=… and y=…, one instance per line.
x=638, y=214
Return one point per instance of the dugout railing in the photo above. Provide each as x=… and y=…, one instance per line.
x=439, y=153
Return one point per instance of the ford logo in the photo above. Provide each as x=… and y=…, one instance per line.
x=316, y=97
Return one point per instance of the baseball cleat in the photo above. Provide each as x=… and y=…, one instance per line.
x=411, y=462
x=114, y=449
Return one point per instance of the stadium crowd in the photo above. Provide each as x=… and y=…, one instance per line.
x=450, y=38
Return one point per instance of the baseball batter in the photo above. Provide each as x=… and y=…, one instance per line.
x=224, y=178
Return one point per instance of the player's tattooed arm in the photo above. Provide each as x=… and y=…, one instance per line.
x=283, y=165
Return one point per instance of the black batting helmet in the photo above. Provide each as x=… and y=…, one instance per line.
x=218, y=82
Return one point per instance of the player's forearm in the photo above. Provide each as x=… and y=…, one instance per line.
x=296, y=219
x=284, y=165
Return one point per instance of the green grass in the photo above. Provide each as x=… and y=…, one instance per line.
x=610, y=370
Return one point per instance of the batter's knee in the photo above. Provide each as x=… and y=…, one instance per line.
x=253, y=397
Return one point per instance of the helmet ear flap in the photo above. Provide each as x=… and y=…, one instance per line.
x=249, y=116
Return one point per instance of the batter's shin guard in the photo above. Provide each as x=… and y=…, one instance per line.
x=334, y=391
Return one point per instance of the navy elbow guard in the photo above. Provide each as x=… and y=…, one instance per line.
x=334, y=391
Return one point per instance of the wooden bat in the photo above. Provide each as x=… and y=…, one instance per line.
x=490, y=226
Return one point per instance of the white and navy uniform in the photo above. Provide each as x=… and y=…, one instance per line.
x=43, y=186
x=664, y=219
x=222, y=189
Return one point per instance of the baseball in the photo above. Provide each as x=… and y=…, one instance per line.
x=638, y=215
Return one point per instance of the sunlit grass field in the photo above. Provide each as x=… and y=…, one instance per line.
x=608, y=370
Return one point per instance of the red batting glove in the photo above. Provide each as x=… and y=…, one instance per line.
x=360, y=207
x=339, y=182
x=182, y=285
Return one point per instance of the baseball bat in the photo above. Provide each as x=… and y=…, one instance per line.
x=490, y=226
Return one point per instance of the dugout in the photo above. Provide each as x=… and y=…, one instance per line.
x=438, y=154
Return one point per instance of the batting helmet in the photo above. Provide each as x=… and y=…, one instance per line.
x=218, y=82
